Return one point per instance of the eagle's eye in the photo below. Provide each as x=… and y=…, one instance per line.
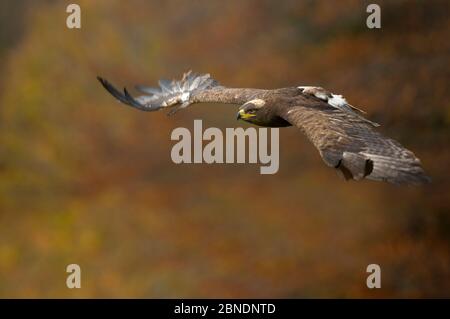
x=252, y=106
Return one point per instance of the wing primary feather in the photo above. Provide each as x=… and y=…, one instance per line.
x=111, y=89
x=125, y=97
x=165, y=85
x=347, y=142
x=170, y=93
x=148, y=90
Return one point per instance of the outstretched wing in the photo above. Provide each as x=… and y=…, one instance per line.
x=169, y=93
x=350, y=144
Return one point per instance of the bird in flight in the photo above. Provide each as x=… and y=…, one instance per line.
x=345, y=139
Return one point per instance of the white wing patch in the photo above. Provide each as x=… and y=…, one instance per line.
x=335, y=100
x=185, y=96
x=320, y=93
x=316, y=91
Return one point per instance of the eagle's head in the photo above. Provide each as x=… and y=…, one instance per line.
x=257, y=112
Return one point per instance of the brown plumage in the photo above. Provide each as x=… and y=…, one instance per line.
x=345, y=139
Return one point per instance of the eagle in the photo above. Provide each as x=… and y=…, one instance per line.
x=345, y=139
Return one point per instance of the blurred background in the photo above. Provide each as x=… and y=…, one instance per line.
x=86, y=180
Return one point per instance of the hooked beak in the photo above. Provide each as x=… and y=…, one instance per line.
x=241, y=115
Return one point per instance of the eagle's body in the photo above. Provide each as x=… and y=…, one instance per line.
x=345, y=139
